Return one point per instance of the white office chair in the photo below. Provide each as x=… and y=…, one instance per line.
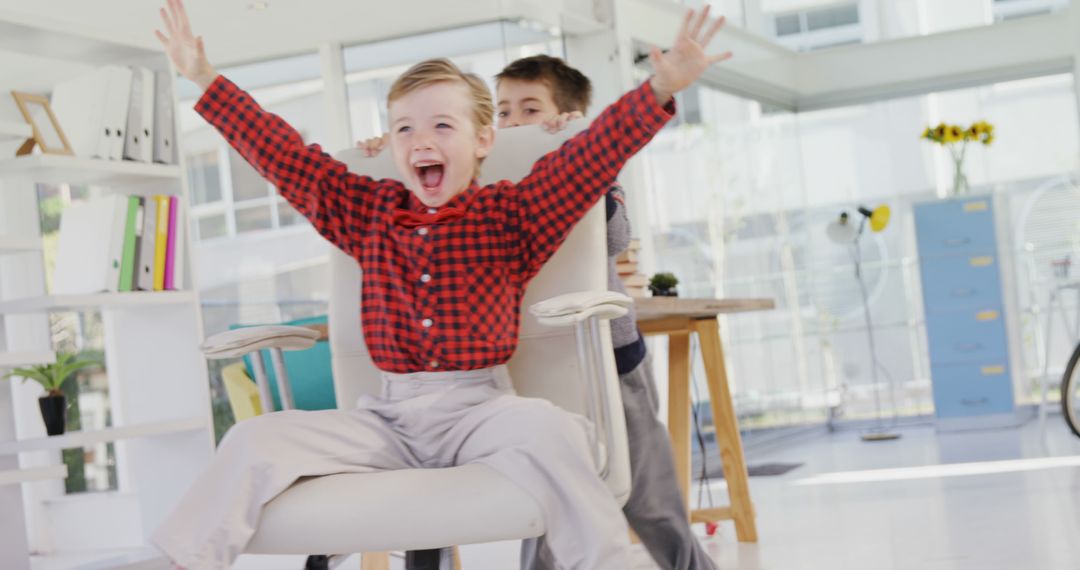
x=564, y=355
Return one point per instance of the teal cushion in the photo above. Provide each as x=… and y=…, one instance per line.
x=309, y=371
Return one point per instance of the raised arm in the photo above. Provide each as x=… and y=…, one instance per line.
x=337, y=202
x=565, y=183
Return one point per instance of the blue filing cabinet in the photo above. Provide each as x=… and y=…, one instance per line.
x=965, y=317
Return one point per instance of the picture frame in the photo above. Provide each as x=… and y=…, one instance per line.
x=48, y=135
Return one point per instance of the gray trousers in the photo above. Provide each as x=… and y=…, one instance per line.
x=421, y=420
x=655, y=509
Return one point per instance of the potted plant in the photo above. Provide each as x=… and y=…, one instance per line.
x=52, y=377
x=663, y=285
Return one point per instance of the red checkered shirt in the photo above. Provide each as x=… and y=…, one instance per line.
x=440, y=291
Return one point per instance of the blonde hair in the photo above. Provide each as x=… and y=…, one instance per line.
x=441, y=70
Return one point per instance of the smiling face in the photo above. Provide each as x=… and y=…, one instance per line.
x=435, y=141
x=523, y=102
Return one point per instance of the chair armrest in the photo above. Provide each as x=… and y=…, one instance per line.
x=586, y=311
x=573, y=308
x=238, y=342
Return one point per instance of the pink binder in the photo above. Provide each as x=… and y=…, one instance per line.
x=170, y=247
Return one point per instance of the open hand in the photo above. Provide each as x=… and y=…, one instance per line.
x=684, y=63
x=183, y=48
x=374, y=145
x=558, y=122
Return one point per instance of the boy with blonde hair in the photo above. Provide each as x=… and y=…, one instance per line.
x=440, y=322
x=544, y=90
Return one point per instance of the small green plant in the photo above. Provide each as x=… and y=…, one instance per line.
x=663, y=283
x=52, y=376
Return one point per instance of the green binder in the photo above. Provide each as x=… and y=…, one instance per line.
x=132, y=236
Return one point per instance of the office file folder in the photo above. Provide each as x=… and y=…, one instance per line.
x=138, y=136
x=164, y=131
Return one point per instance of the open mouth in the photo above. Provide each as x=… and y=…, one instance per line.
x=430, y=174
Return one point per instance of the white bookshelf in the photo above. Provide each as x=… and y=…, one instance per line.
x=158, y=389
x=12, y=131
x=26, y=358
x=87, y=438
x=32, y=474
x=95, y=301
x=62, y=169
x=19, y=244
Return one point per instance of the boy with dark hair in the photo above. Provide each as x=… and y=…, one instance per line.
x=543, y=89
x=440, y=340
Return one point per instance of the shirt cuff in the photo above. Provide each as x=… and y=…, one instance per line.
x=648, y=102
x=211, y=103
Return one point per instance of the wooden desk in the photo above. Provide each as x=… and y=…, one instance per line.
x=677, y=319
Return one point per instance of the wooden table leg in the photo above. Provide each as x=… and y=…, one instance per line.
x=375, y=561
x=727, y=430
x=679, y=407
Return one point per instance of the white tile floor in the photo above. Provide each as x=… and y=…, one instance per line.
x=1004, y=500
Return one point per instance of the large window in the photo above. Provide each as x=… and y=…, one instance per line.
x=740, y=199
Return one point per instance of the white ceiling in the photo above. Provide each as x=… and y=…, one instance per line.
x=236, y=33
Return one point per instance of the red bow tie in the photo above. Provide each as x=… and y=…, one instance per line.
x=411, y=219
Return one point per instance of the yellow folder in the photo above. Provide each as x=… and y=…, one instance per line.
x=161, y=239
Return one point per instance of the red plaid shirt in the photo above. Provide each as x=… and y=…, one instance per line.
x=442, y=290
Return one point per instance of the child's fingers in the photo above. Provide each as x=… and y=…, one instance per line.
x=162, y=38
x=718, y=58
x=654, y=56
x=181, y=15
x=695, y=27
x=200, y=47
x=713, y=29
x=685, y=27
x=168, y=22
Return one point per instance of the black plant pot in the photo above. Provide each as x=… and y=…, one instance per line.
x=54, y=412
x=665, y=292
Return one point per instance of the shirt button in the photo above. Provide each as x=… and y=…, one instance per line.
x=431, y=210
x=427, y=323
x=422, y=231
x=433, y=364
x=425, y=278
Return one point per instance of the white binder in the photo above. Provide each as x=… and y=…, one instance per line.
x=90, y=246
x=145, y=278
x=138, y=136
x=164, y=125
x=114, y=112
x=77, y=104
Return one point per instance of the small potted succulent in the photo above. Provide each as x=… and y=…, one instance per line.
x=52, y=377
x=663, y=285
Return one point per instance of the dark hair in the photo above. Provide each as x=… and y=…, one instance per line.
x=570, y=89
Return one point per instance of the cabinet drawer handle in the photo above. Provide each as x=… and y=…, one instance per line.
x=981, y=261
x=992, y=370
x=974, y=401
x=957, y=242
x=979, y=206
x=968, y=347
x=986, y=316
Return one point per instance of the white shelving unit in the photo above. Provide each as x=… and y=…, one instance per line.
x=87, y=438
x=13, y=131
x=59, y=169
x=95, y=301
x=16, y=244
x=32, y=474
x=28, y=358
x=158, y=390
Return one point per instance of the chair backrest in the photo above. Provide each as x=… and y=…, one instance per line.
x=546, y=363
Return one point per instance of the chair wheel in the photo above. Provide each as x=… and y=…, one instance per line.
x=317, y=562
